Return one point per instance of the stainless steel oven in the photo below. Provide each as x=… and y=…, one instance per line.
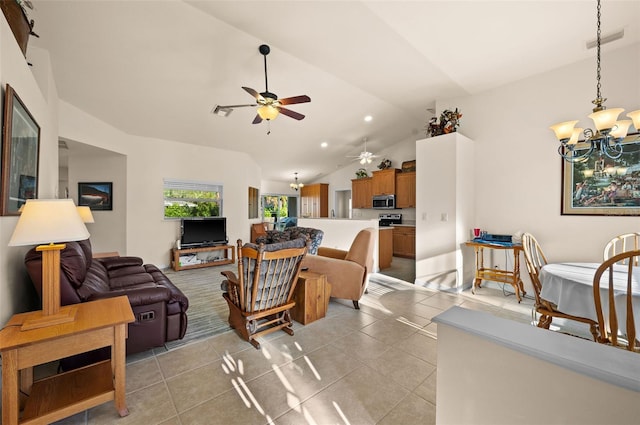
x=384, y=202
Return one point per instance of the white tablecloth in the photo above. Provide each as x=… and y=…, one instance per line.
x=570, y=287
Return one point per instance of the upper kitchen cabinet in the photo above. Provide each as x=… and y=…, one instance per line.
x=384, y=182
x=406, y=190
x=361, y=193
x=314, y=200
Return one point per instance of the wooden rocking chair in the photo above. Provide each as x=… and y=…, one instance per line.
x=261, y=296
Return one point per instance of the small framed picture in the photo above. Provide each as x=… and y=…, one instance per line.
x=96, y=196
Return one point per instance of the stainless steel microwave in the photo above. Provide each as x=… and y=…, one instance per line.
x=384, y=202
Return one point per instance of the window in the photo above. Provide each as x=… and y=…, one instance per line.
x=191, y=199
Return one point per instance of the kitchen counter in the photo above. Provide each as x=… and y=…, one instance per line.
x=340, y=232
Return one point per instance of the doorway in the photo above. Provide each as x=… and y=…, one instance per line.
x=342, y=204
x=281, y=210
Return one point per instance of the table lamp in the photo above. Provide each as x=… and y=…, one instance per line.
x=46, y=222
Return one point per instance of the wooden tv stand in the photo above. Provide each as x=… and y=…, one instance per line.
x=228, y=259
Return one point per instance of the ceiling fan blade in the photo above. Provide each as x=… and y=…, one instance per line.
x=294, y=99
x=253, y=93
x=290, y=113
x=257, y=120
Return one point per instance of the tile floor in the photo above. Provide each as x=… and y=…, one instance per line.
x=373, y=366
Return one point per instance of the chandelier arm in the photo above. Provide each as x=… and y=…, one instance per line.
x=612, y=150
x=568, y=153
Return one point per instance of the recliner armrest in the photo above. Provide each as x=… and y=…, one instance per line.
x=340, y=254
x=138, y=296
x=111, y=263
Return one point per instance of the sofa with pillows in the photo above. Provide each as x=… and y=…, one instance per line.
x=159, y=307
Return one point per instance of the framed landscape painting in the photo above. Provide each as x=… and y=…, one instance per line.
x=96, y=196
x=601, y=185
x=20, y=154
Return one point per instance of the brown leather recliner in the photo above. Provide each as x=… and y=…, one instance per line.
x=158, y=305
x=346, y=271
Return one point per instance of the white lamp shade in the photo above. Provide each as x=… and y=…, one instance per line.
x=635, y=116
x=621, y=128
x=564, y=130
x=605, y=119
x=85, y=214
x=45, y=221
x=575, y=135
x=268, y=112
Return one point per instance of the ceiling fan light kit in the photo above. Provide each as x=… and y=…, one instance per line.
x=269, y=106
x=610, y=132
x=365, y=156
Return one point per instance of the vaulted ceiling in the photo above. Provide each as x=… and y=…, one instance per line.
x=158, y=68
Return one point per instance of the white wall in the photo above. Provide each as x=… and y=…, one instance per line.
x=445, y=203
x=148, y=161
x=38, y=93
x=109, y=232
x=520, y=374
x=518, y=170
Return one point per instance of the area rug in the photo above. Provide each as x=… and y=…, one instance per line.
x=208, y=311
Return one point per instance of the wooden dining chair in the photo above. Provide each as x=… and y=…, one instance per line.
x=622, y=243
x=535, y=260
x=618, y=272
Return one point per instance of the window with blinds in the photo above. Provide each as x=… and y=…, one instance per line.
x=191, y=199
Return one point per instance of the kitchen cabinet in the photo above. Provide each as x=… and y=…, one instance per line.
x=385, y=247
x=406, y=190
x=384, y=182
x=314, y=200
x=404, y=241
x=361, y=194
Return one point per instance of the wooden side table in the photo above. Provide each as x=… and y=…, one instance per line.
x=311, y=295
x=101, y=323
x=512, y=277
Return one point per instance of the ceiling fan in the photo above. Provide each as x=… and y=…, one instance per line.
x=269, y=106
x=365, y=156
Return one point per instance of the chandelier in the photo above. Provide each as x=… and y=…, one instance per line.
x=609, y=134
x=296, y=185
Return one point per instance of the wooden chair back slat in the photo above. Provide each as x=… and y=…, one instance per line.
x=609, y=326
x=623, y=243
x=534, y=260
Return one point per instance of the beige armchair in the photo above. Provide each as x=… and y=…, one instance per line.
x=346, y=271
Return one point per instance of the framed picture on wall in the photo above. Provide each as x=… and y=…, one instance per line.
x=601, y=185
x=96, y=196
x=20, y=154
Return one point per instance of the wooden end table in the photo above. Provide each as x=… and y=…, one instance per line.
x=311, y=295
x=97, y=324
x=512, y=277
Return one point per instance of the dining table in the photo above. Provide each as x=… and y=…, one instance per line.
x=570, y=287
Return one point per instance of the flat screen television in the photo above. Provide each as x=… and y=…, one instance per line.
x=197, y=232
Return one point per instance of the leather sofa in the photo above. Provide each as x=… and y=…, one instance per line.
x=291, y=233
x=346, y=271
x=158, y=305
